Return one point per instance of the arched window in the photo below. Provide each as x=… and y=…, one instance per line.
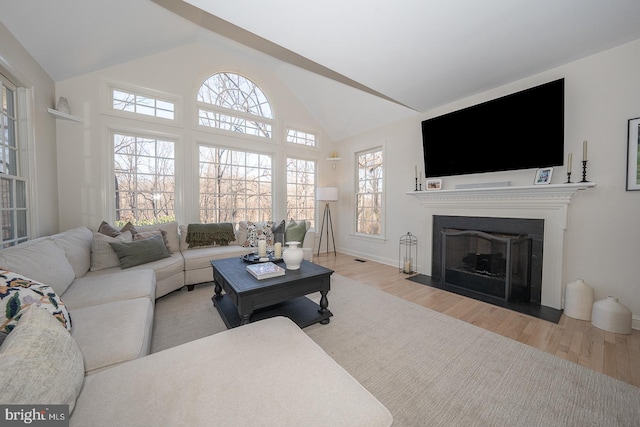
x=234, y=103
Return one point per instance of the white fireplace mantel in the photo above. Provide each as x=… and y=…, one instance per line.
x=549, y=202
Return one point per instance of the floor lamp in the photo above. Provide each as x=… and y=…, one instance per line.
x=326, y=195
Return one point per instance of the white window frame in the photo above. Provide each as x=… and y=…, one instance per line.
x=14, y=203
x=301, y=135
x=357, y=232
x=110, y=87
x=215, y=109
x=311, y=199
x=265, y=210
x=143, y=135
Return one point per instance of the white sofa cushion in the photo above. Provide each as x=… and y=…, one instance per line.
x=106, y=286
x=76, y=244
x=113, y=333
x=267, y=373
x=41, y=260
x=41, y=363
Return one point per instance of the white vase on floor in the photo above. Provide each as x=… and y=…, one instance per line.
x=578, y=300
x=611, y=315
x=292, y=256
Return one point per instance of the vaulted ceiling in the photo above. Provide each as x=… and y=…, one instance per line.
x=381, y=59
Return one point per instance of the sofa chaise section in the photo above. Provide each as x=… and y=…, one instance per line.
x=265, y=373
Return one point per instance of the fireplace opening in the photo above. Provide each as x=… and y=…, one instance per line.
x=497, y=265
x=492, y=259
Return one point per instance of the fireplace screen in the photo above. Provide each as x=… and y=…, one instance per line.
x=497, y=265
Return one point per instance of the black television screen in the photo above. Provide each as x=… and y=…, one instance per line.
x=518, y=131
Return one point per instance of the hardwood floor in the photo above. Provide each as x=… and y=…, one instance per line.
x=575, y=340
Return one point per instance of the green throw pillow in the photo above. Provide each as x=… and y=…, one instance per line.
x=295, y=232
x=139, y=252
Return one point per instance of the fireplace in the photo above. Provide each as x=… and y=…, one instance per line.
x=548, y=204
x=499, y=258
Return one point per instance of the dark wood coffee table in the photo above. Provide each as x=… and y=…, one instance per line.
x=247, y=299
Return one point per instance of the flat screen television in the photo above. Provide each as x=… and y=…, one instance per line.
x=518, y=131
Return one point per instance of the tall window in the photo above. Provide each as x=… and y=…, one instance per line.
x=13, y=187
x=234, y=185
x=144, y=179
x=301, y=189
x=234, y=103
x=369, y=206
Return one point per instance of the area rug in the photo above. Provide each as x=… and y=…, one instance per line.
x=431, y=369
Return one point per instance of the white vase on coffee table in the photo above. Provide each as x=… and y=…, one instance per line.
x=292, y=255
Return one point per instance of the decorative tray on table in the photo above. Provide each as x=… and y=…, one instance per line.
x=254, y=258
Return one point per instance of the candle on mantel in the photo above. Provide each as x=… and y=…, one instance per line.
x=584, y=150
x=569, y=162
x=416, y=171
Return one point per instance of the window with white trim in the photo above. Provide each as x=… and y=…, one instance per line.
x=235, y=185
x=369, y=192
x=234, y=103
x=301, y=189
x=13, y=186
x=300, y=137
x=145, y=181
x=137, y=103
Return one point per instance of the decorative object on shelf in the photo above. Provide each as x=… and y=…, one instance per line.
x=434, y=184
x=569, y=160
x=63, y=105
x=578, y=300
x=584, y=161
x=543, y=176
x=408, y=253
x=326, y=195
x=611, y=315
x=334, y=158
x=633, y=160
x=292, y=256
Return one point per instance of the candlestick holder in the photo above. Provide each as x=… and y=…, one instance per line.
x=568, y=178
x=584, y=171
x=416, y=184
x=420, y=186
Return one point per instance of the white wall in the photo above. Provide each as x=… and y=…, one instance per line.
x=602, y=246
x=84, y=154
x=20, y=65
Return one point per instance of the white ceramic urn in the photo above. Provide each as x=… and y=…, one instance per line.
x=292, y=255
x=578, y=300
x=611, y=315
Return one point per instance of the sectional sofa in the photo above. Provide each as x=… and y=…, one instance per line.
x=265, y=373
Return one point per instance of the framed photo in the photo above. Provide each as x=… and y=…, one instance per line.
x=633, y=155
x=543, y=176
x=434, y=184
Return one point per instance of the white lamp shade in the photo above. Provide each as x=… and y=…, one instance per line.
x=327, y=194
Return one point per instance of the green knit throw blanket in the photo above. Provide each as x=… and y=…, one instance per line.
x=210, y=234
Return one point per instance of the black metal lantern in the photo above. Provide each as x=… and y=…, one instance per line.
x=408, y=254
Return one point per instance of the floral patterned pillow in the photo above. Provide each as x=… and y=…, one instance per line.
x=17, y=293
x=259, y=231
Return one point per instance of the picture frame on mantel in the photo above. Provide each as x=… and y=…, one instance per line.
x=543, y=176
x=633, y=155
x=434, y=184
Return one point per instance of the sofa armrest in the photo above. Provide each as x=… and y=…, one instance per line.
x=310, y=239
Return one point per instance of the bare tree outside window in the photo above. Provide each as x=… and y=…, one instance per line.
x=234, y=185
x=144, y=179
x=301, y=190
x=232, y=102
x=369, y=166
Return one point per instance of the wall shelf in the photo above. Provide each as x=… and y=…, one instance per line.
x=64, y=116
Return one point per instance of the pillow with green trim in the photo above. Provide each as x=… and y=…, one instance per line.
x=139, y=252
x=296, y=231
x=18, y=293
